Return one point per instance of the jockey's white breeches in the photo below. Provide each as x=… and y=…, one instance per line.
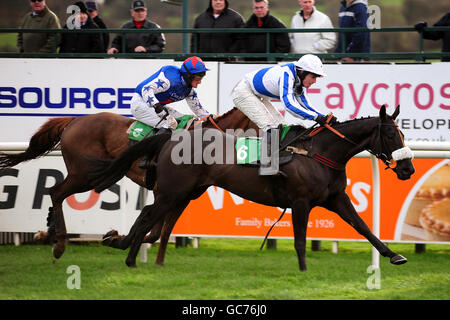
x=256, y=108
x=146, y=114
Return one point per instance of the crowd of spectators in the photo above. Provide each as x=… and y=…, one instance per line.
x=218, y=14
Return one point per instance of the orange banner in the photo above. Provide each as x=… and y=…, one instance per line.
x=220, y=213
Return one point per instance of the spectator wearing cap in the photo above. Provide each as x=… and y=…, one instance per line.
x=41, y=17
x=218, y=15
x=75, y=42
x=92, y=9
x=139, y=42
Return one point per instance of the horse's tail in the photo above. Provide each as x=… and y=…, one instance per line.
x=104, y=173
x=42, y=142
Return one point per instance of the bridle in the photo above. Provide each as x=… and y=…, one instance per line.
x=382, y=154
x=396, y=155
x=383, y=146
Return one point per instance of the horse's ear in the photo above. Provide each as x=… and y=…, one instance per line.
x=396, y=112
x=383, y=112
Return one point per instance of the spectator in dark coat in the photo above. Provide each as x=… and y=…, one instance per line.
x=41, y=17
x=92, y=8
x=81, y=42
x=256, y=42
x=218, y=15
x=353, y=14
x=437, y=35
x=139, y=42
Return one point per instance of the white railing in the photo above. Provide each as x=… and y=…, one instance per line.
x=427, y=146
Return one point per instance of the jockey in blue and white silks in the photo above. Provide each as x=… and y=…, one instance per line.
x=169, y=84
x=285, y=82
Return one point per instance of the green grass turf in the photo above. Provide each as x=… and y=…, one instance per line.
x=224, y=269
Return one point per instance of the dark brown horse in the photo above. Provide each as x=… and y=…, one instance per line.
x=317, y=179
x=97, y=136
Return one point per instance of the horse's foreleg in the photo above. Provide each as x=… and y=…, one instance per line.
x=149, y=216
x=60, y=232
x=57, y=226
x=167, y=230
x=155, y=233
x=163, y=207
x=112, y=239
x=342, y=205
x=48, y=236
x=300, y=214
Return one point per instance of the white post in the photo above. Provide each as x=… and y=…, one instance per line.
x=16, y=236
x=144, y=248
x=376, y=208
x=143, y=200
x=195, y=242
x=123, y=206
x=335, y=246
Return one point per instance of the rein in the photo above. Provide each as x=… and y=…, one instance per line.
x=267, y=235
x=382, y=156
x=211, y=119
x=389, y=162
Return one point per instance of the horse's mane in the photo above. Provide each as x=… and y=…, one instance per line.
x=337, y=123
x=227, y=113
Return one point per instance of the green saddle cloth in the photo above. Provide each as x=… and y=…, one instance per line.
x=139, y=130
x=248, y=148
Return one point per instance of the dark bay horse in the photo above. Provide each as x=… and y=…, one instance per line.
x=318, y=179
x=99, y=136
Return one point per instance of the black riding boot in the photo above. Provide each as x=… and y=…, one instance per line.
x=147, y=163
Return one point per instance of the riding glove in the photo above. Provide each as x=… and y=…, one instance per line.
x=333, y=120
x=160, y=110
x=172, y=122
x=320, y=119
x=419, y=26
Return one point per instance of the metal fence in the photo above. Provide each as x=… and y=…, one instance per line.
x=418, y=55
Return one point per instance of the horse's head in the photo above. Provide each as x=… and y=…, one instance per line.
x=390, y=147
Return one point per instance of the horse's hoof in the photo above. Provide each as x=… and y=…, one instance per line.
x=41, y=237
x=106, y=241
x=398, y=259
x=58, y=250
x=111, y=233
x=159, y=263
x=131, y=264
x=109, y=237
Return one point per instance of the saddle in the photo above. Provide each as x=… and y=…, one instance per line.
x=139, y=131
x=248, y=149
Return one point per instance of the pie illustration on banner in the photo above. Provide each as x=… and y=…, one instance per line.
x=428, y=215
